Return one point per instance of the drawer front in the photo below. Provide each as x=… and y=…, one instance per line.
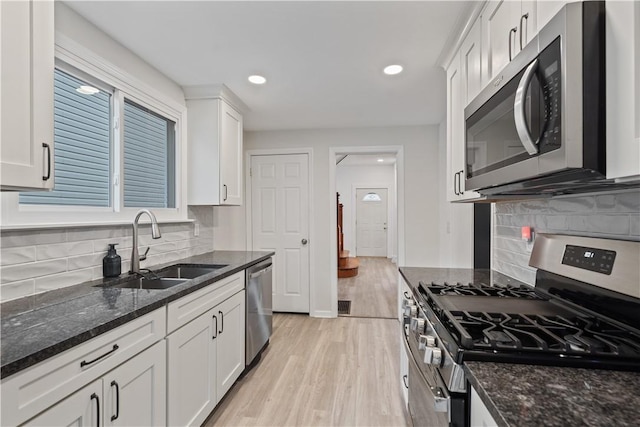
x=33, y=390
x=189, y=307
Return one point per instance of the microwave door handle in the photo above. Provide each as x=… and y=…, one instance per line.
x=519, y=110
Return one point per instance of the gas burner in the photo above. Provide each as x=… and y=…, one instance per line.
x=481, y=289
x=537, y=333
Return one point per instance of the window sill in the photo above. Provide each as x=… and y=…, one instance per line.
x=15, y=227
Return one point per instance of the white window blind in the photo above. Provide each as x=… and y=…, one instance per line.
x=82, y=147
x=149, y=158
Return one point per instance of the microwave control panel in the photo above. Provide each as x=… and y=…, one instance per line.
x=550, y=82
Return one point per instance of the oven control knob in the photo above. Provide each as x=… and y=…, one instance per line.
x=411, y=310
x=432, y=356
x=417, y=325
x=425, y=341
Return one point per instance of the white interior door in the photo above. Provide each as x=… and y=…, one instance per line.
x=371, y=222
x=280, y=223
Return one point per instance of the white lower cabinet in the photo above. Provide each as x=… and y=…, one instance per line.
x=480, y=415
x=133, y=394
x=206, y=356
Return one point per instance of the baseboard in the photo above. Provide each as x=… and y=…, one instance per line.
x=326, y=314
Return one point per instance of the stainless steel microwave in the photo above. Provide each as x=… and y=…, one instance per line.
x=539, y=125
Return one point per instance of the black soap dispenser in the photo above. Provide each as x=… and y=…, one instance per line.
x=111, y=264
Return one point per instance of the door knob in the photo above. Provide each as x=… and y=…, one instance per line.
x=304, y=241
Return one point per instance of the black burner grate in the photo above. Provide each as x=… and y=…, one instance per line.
x=344, y=306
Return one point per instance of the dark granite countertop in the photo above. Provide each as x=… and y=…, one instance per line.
x=38, y=327
x=526, y=395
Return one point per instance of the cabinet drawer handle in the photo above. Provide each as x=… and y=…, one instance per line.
x=221, y=321
x=48, y=149
x=404, y=380
x=115, y=417
x=513, y=30
x=524, y=17
x=85, y=363
x=95, y=396
x=215, y=328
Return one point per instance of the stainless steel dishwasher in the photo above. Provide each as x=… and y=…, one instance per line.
x=259, y=309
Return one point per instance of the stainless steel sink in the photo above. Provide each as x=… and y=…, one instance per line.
x=182, y=271
x=151, y=283
x=169, y=277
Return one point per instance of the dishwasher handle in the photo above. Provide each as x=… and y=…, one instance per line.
x=261, y=272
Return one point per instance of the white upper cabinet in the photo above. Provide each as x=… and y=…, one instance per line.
x=215, y=150
x=507, y=27
x=464, y=81
x=623, y=89
x=546, y=10
x=26, y=86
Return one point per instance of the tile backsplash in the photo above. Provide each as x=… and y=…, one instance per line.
x=34, y=261
x=614, y=215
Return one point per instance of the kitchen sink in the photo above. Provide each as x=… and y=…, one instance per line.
x=150, y=283
x=168, y=277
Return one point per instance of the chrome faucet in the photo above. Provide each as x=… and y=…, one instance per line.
x=155, y=234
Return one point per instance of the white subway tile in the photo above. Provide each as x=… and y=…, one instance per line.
x=15, y=273
x=635, y=224
x=78, y=234
x=63, y=250
x=17, y=255
x=11, y=239
x=65, y=279
x=13, y=290
x=85, y=261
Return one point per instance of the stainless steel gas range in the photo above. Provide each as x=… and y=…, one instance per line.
x=584, y=311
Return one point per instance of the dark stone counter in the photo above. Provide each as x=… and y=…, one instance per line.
x=526, y=395
x=38, y=327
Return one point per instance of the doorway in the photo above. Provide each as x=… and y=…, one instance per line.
x=368, y=187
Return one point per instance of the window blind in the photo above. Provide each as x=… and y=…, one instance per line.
x=82, y=147
x=148, y=158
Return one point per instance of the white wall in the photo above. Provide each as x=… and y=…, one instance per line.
x=350, y=177
x=422, y=181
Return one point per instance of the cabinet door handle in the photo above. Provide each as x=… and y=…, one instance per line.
x=115, y=417
x=215, y=328
x=524, y=17
x=95, y=396
x=48, y=153
x=221, y=321
x=225, y=192
x=460, y=190
x=404, y=380
x=456, y=177
x=85, y=363
x=513, y=30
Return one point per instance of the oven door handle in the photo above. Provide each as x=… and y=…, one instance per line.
x=441, y=401
x=519, y=113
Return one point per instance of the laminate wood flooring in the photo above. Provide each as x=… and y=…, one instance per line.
x=321, y=372
x=374, y=291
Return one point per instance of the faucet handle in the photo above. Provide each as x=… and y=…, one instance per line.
x=144, y=255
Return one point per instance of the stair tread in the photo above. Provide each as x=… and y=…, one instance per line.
x=343, y=254
x=350, y=263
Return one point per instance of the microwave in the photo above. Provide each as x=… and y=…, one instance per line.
x=539, y=125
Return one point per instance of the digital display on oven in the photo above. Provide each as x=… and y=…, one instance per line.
x=593, y=259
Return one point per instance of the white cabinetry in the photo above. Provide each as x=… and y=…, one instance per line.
x=134, y=394
x=206, y=351
x=480, y=415
x=507, y=27
x=215, y=152
x=51, y=384
x=623, y=89
x=26, y=85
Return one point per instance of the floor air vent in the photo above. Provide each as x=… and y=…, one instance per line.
x=344, y=307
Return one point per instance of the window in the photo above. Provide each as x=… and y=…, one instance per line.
x=371, y=197
x=82, y=124
x=97, y=167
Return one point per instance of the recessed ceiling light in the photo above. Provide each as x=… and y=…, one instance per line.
x=87, y=90
x=380, y=160
x=393, y=69
x=257, y=80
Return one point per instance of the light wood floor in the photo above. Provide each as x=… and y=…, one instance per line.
x=374, y=291
x=321, y=372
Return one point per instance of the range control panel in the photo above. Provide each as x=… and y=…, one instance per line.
x=593, y=259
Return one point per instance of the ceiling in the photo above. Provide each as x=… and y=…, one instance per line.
x=323, y=60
